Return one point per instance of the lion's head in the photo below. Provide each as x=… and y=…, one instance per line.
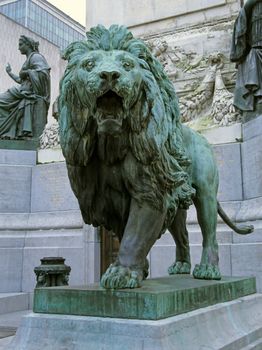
x=114, y=88
x=108, y=84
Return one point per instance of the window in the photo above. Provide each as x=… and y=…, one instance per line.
x=42, y=22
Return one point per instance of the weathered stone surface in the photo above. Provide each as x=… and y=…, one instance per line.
x=144, y=12
x=246, y=260
x=14, y=157
x=51, y=190
x=224, y=134
x=252, y=129
x=15, y=188
x=11, y=302
x=41, y=221
x=156, y=299
x=232, y=325
x=249, y=210
x=252, y=167
x=228, y=158
x=50, y=155
x=11, y=262
x=26, y=238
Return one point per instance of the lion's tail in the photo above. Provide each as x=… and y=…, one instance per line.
x=241, y=229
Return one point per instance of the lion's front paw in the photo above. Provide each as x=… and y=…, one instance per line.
x=118, y=277
x=207, y=272
x=179, y=267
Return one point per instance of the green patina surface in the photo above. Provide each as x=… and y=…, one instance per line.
x=25, y=145
x=157, y=298
x=132, y=165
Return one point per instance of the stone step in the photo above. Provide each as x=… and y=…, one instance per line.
x=256, y=345
x=12, y=302
x=223, y=326
x=251, y=340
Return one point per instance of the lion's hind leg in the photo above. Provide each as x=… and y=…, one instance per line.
x=179, y=232
x=206, y=206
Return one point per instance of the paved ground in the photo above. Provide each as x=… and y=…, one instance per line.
x=8, y=326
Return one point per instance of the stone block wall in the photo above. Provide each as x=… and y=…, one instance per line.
x=149, y=16
x=39, y=216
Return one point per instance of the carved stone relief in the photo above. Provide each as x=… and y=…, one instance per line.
x=205, y=102
x=203, y=76
x=50, y=137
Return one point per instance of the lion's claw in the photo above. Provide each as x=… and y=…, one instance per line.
x=206, y=272
x=179, y=267
x=118, y=277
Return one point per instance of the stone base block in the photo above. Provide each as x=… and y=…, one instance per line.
x=31, y=144
x=12, y=302
x=50, y=155
x=158, y=298
x=17, y=157
x=223, y=134
x=231, y=325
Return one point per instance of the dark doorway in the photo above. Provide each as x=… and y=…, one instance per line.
x=109, y=248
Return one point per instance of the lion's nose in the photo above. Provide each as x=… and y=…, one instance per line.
x=109, y=75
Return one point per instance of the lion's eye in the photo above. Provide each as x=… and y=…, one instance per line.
x=128, y=65
x=88, y=65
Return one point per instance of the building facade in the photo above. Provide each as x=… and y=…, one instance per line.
x=44, y=19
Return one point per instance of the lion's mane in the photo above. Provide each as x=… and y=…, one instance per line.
x=155, y=129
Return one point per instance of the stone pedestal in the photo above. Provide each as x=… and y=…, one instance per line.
x=52, y=272
x=158, y=298
x=26, y=145
x=232, y=325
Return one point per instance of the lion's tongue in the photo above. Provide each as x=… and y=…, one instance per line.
x=109, y=116
x=110, y=126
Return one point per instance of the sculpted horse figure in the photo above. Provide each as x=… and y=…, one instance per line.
x=132, y=165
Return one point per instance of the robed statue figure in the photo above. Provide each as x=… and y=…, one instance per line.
x=23, y=108
x=246, y=51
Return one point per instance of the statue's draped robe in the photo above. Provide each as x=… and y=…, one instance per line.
x=246, y=51
x=23, y=108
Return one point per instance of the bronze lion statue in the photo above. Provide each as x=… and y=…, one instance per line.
x=132, y=165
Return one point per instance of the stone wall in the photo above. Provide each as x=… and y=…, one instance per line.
x=39, y=216
x=150, y=16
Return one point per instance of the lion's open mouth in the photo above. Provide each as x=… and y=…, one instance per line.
x=109, y=113
x=110, y=105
